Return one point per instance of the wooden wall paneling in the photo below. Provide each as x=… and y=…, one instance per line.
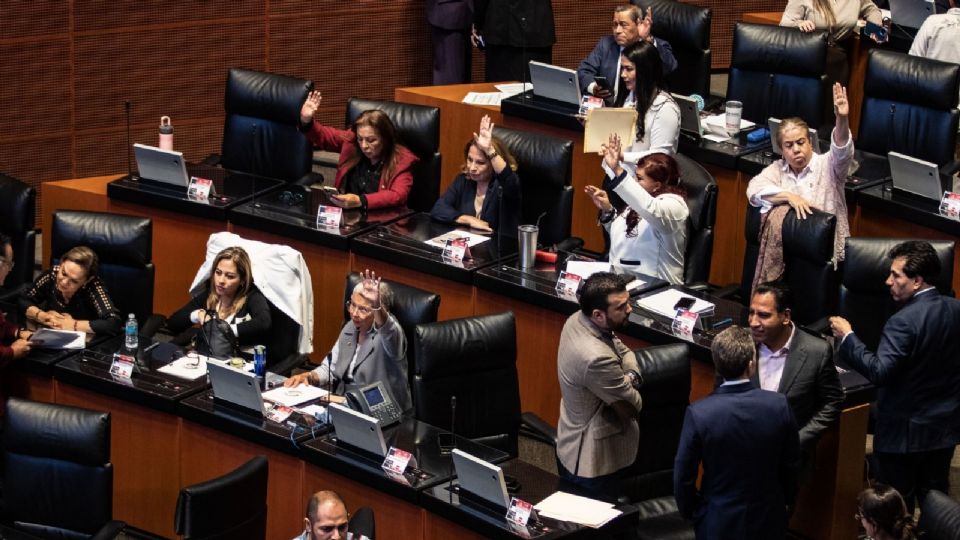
x=127, y=14
x=456, y=299
x=726, y=265
x=145, y=452
x=207, y=453
x=28, y=386
x=435, y=526
x=396, y=519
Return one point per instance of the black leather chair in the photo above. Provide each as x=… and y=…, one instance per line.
x=260, y=130
x=779, y=72
x=57, y=475
x=863, y=297
x=939, y=517
x=808, y=262
x=702, y=202
x=910, y=107
x=17, y=217
x=233, y=506
x=411, y=307
x=474, y=359
x=418, y=128
x=687, y=28
x=544, y=165
x=124, y=245
x=363, y=523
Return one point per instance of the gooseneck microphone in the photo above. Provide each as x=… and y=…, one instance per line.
x=126, y=107
x=523, y=56
x=499, y=227
x=453, y=435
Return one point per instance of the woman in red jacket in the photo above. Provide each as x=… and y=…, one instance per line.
x=374, y=170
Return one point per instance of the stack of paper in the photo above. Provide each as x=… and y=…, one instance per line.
x=46, y=338
x=293, y=396
x=187, y=367
x=663, y=303
x=567, y=507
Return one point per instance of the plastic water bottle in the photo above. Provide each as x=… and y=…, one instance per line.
x=131, y=333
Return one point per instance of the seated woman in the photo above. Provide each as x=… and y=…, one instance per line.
x=883, y=514
x=374, y=170
x=230, y=295
x=13, y=340
x=649, y=234
x=371, y=348
x=487, y=168
x=803, y=180
x=70, y=296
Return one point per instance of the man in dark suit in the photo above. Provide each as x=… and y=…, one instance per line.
x=514, y=32
x=629, y=27
x=917, y=371
x=449, y=31
x=746, y=440
x=794, y=363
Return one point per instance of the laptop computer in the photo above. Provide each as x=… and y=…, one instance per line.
x=773, y=124
x=911, y=13
x=235, y=387
x=480, y=478
x=357, y=429
x=160, y=165
x=689, y=115
x=915, y=176
x=555, y=82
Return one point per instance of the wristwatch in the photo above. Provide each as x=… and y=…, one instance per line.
x=492, y=153
x=635, y=379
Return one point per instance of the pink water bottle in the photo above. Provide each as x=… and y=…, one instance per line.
x=166, y=133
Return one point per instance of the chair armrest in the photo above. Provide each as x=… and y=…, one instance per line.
x=212, y=160
x=700, y=287
x=109, y=531
x=310, y=179
x=326, y=159
x=949, y=169
x=537, y=428
x=728, y=292
x=820, y=326
x=152, y=325
x=286, y=366
x=569, y=244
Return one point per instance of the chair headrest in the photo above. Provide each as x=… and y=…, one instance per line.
x=811, y=238
x=57, y=432
x=540, y=158
x=265, y=95
x=476, y=343
x=418, y=126
x=17, y=207
x=116, y=238
x=774, y=49
x=666, y=373
x=866, y=264
x=680, y=24
x=912, y=79
x=701, y=190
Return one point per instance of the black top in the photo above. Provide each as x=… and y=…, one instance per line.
x=459, y=200
x=363, y=178
x=90, y=303
x=254, y=317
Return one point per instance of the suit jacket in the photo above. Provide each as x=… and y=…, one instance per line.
x=515, y=23
x=603, y=60
x=812, y=386
x=382, y=357
x=450, y=14
x=917, y=371
x=592, y=440
x=746, y=440
x=252, y=322
x=458, y=200
x=393, y=190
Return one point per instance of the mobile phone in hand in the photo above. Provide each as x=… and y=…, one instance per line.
x=602, y=82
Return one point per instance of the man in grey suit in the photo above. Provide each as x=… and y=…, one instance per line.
x=794, y=363
x=598, y=434
x=371, y=348
x=450, y=22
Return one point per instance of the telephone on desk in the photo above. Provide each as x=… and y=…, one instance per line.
x=375, y=400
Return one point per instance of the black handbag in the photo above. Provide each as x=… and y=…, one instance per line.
x=216, y=339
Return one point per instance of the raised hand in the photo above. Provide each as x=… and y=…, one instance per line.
x=599, y=198
x=483, y=140
x=371, y=288
x=645, y=28
x=310, y=107
x=841, y=106
x=612, y=152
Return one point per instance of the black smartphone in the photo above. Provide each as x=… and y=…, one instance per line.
x=685, y=303
x=878, y=32
x=446, y=442
x=602, y=82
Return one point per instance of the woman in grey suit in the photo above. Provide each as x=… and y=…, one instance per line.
x=371, y=348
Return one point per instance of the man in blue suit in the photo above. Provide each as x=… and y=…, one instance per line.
x=629, y=27
x=747, y=441
x=917, y=371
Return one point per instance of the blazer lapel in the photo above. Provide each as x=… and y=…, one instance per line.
x=796, y=357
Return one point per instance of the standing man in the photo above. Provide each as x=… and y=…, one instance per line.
x=327, y=519
x=514, y=32
x=794, y=363
x=917, y=371
x=746, y=440
x=449, y=31
x=629, y=27
x=598, y=434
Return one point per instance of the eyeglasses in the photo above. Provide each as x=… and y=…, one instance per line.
x=362, y=310
x=327, y=529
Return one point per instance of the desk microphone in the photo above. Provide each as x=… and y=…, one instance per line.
x=453, y=435
x=523, y=56
x=499, y=221
x=126, y=107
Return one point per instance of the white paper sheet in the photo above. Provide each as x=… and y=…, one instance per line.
x=662, y=303
x=46, y=338
x=472, y=238
x=719, y=122
x=186, y=367
x=512, y=89
x=585, y=269
x=483, y=98
x=602, y=122
x=577, y=509
x=293, y=396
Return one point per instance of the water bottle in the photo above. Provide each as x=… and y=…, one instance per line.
x=260, y=365
x=131, y=333
x=166, y=133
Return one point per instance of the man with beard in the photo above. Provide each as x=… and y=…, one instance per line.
x=917, y=371
x=598, y=434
